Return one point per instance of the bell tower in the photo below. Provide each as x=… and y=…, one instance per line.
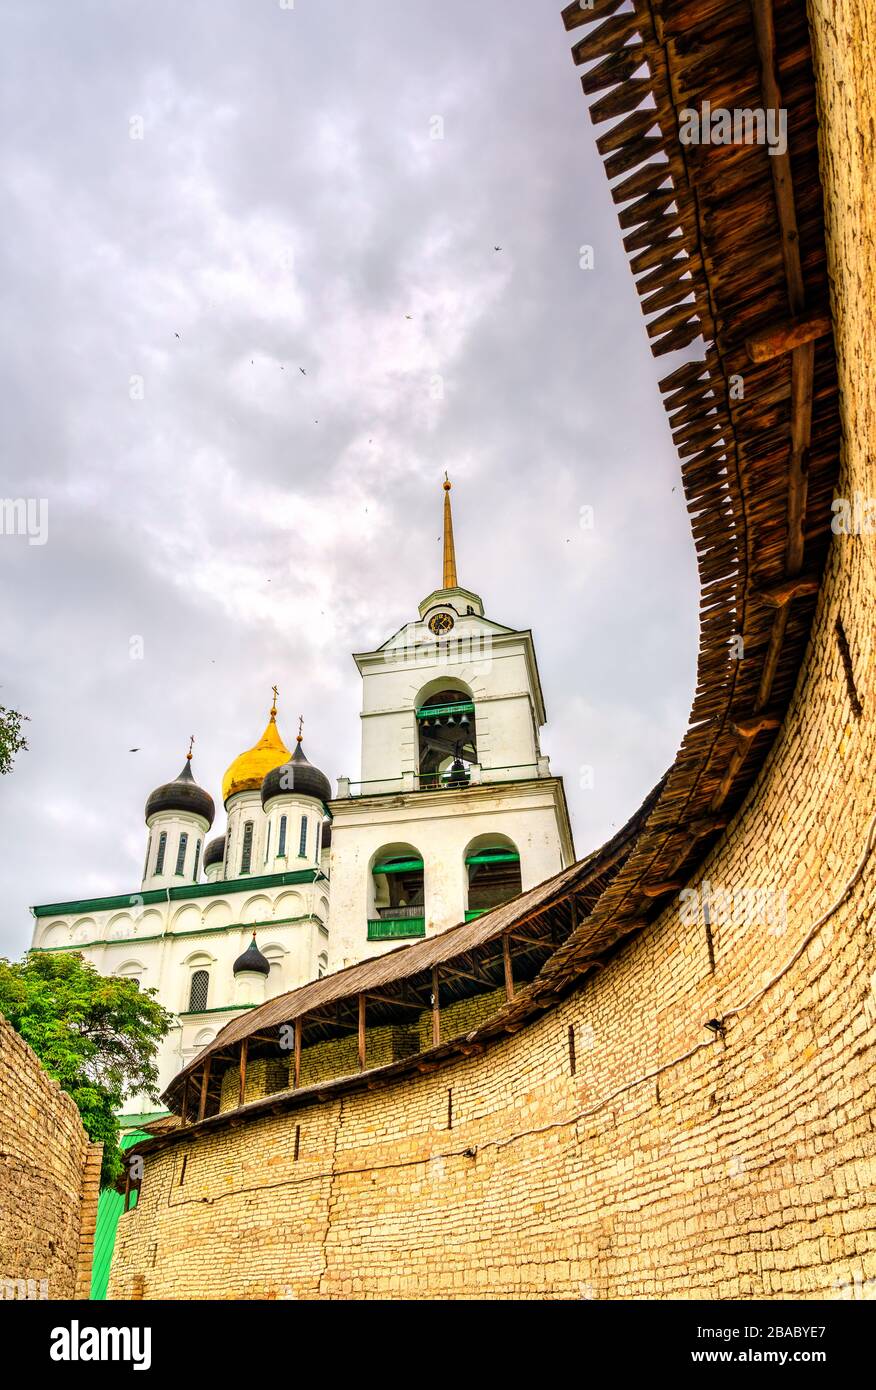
x=456, y=809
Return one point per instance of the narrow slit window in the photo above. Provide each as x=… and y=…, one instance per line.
x=182, y=1171
x=159, y=858
x=148, y=854
x=281, y=846
x=302, y=839
x=181, y=852
x=198, y=991
x=267, y=841
x=246, y=852
x=197, y=861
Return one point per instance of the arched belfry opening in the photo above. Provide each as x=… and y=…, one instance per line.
x=447, y=739
x=398, y=894
x=492, y=865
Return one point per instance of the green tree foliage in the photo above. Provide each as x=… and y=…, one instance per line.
x=11, y=739
x=97, y=1035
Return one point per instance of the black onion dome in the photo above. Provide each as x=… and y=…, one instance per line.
x=252, y=959
x=297, y=777
x=183, y=794
x=215, y=851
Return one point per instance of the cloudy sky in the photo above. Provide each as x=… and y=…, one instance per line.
x=197, y=201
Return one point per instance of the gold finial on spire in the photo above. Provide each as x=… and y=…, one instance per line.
x=274, y=705
x=300, y=734
x=450, y=580
x=191, y=746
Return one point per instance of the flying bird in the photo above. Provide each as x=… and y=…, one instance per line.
x=133, y=750
x=497, y=248
x=302, y=371
x=407, y=316
x=176, y=335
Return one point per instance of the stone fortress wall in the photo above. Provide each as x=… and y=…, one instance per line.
x=668, y=1161
x=49, y=1181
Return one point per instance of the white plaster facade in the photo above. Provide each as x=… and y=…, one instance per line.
x=509, y=793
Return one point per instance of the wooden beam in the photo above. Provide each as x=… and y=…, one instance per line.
x=802, y=380
x=205, y=1082
x=184, y=1109
x=757, y=724
x=395, y=1003
x=299, y=1029
x=241, y=1095
x=777, y=595
x=361, y=1032
x=436, y=1007
x=780, y=338
x=780, y=164
x=506, y=961
x=657, y=890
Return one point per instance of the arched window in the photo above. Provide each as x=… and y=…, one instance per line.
x=447, y=739
x=492, y=865
x=302, y=838
x=322, y=965
x=162, y=847
x=246, y=851
x=181, y=852
x=197, y=861
x=198, y=991
x=397, y=894
x=281, y=845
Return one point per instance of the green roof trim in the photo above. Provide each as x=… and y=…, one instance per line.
x=494, y=856
x=429, y=711
x=396, y=866
x=110, y=1205
x=192, y=890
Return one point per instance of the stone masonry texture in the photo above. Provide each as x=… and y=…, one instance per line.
x=49, y=1180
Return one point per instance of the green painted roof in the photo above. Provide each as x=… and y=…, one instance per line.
x=110, y=1205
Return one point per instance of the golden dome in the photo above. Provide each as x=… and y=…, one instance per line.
x=250, y=769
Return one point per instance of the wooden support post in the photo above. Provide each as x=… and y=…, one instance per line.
x=241, y=1095
x=184, y=1114
x=299, y=1029
x=436, y=1008
x=361, y=1032
x=506, y=961
x=205, y=1082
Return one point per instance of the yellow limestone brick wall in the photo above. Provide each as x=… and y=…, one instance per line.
x=745, y=1167
x=49, y=1179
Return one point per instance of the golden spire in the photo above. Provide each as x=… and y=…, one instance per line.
x=450, y=580
x=300, y=734
x=191, y=746
x=274, y=705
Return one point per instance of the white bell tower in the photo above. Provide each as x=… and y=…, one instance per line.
x=456, y=810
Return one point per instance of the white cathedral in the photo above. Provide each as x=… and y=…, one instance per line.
x=456, y=811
